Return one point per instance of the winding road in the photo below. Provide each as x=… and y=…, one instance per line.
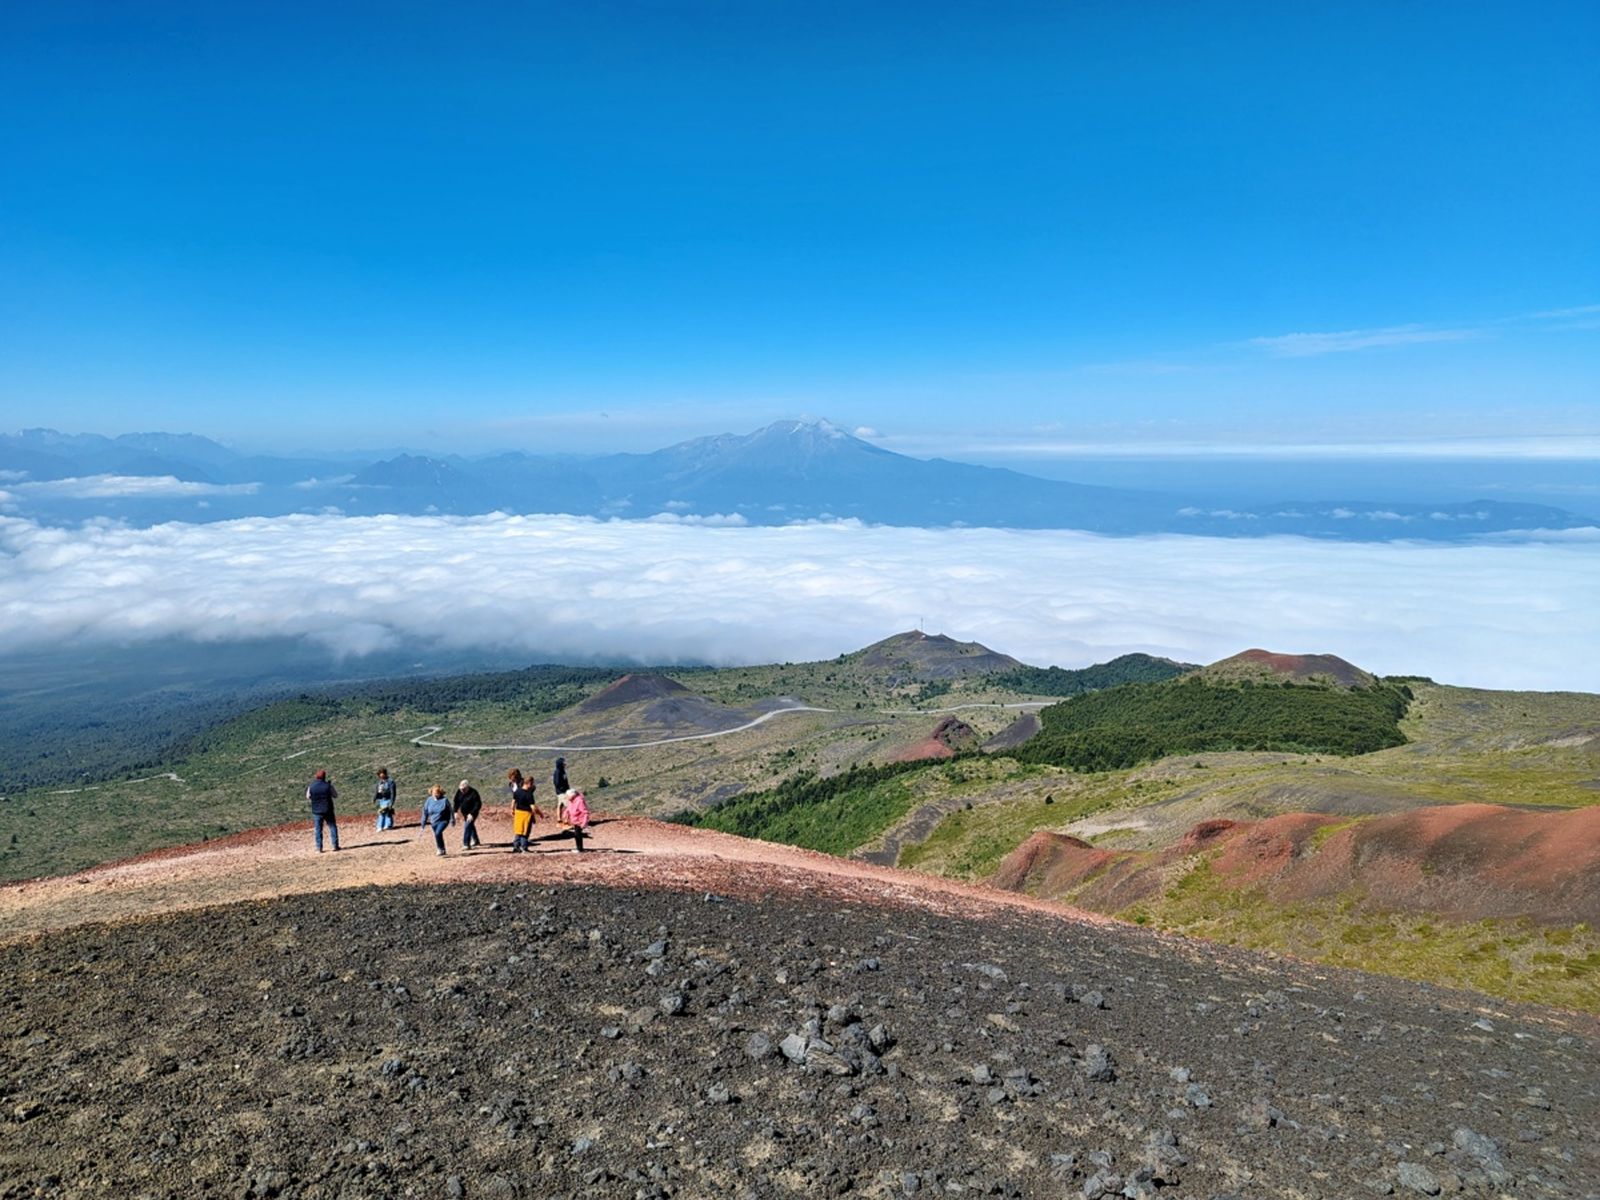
x=426, y=737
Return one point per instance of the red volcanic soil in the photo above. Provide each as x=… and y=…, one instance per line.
x=948, y=736
x=1050, y=862
x=1304, y=667
x=1466, y=861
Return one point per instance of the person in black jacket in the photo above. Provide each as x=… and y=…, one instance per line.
x=321, y=794
x=468, y=804
x=558, y=778
x=524, y=810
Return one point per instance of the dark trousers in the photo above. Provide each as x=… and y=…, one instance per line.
x=469, y=833
x=438, y=834
x=333, y=828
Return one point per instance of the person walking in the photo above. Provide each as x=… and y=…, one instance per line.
x=468, y=804
x=558, y=779
x=524, y=810
x=384, y=794
x=322, y=794
x=573, y=812
x=437, y=816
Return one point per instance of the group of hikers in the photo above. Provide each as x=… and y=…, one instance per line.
x=439, y=813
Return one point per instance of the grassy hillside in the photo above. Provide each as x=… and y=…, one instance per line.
x=1517, y=960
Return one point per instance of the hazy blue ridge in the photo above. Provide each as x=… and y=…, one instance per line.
x=789, y=471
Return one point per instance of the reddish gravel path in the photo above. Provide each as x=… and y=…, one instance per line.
x=629, y=852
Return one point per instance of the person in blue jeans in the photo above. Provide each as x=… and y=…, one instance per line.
x=321, y=794
x=437, y=816
x=384, y=794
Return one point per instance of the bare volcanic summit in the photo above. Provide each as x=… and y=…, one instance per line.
x=646, y=705
x=1266, y=666
x=918, y=656
x=633, y=689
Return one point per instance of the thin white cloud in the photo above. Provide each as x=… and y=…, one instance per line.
x=1557, y=314
x=711, y=520
x=1576, y=447
x=306, y=485
x=104, y=487
x=1306, y=345
x=1494, y=615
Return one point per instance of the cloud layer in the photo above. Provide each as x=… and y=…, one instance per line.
x=105, y=487
x=658, y=591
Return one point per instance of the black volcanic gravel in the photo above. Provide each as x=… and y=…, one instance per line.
x=514, y=1041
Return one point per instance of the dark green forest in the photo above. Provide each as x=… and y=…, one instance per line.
x=833, y=814
x=1057, y=681
x=1125, y=726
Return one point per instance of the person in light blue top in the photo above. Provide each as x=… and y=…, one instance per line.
x=384, y=794
x=437, y=815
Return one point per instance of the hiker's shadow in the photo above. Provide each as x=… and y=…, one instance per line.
x=374, y=842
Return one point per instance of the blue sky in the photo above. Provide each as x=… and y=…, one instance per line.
x=614, y=225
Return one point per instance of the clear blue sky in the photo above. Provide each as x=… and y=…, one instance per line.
x=473, y=224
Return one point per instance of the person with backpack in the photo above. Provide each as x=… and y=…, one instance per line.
x=558, y=779
x=573, y=812
x=437, y=816
x=468, y=804
x=384, y=794
x=524, y=810
x=322, y=794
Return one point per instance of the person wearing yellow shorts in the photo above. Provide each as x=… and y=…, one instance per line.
x=524, y=810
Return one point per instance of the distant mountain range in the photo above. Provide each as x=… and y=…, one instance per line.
x=786, y=472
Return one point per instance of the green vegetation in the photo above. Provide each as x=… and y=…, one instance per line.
x=970, y=842
x=87, y=742
x=1516, y=960
x=1122, y=727
x=533, y=691
x=1056, y=681
x=251, y=770
x=835, y=814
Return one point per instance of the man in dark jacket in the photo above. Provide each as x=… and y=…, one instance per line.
x=468, y=804
x=322, y=795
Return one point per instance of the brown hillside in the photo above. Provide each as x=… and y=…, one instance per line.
x=1298, y=668
x=1466, y=861
x=1050, y=863
x=1014, y=734
x=918, y=656
x=632, y=689
x=948, y=736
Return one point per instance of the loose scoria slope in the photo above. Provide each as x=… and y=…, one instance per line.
x=819, y=1033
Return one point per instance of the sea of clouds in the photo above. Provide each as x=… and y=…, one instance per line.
x=1522, y=615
